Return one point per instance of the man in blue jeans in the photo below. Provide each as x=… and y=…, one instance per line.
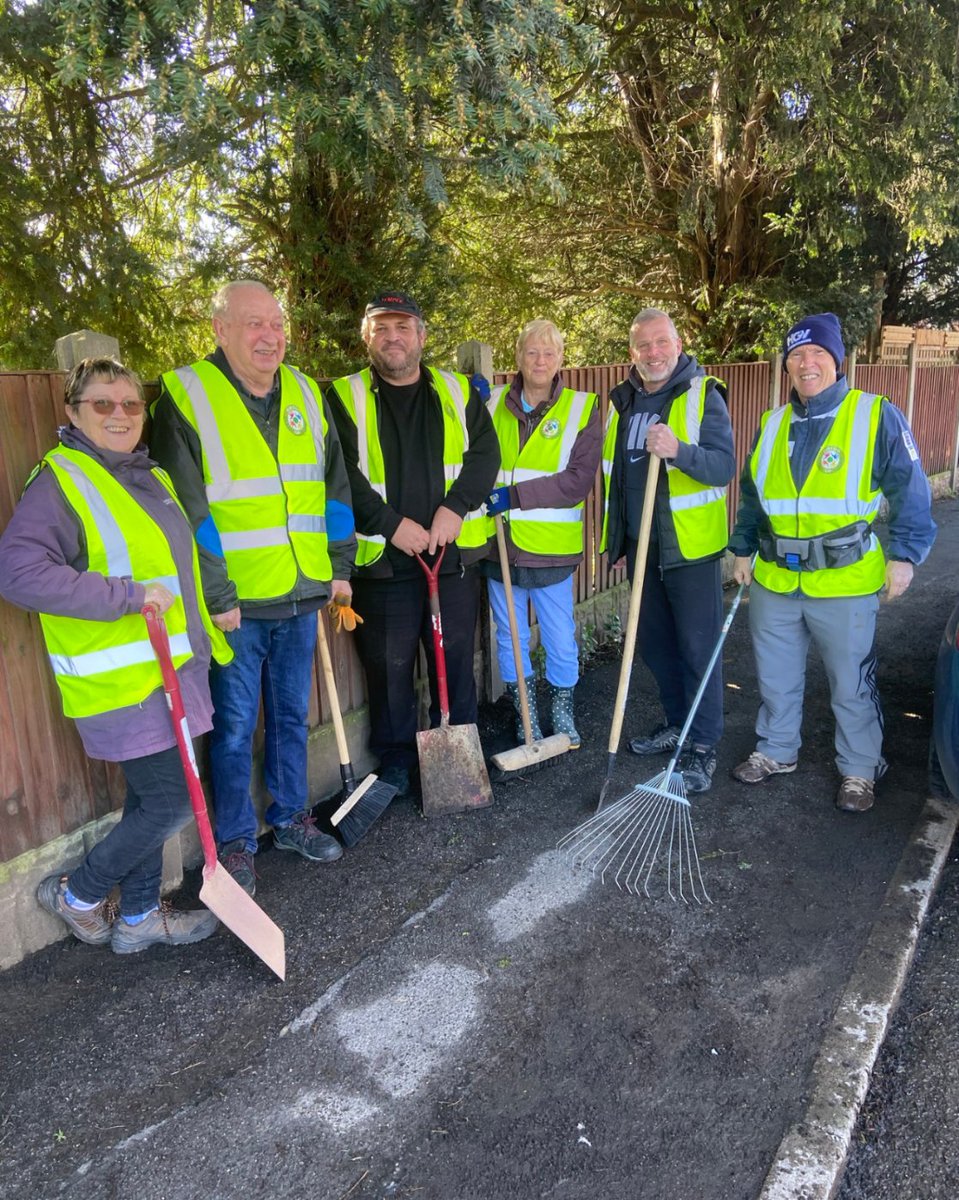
x=257, y=465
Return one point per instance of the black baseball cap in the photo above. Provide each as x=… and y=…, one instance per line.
x=393, y=302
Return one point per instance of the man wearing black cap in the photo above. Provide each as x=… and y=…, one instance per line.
x=810, y=492
x=422, y=457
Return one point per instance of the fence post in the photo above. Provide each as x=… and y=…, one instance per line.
x=851, y=367
x=776, y=380
x=475, y=358
x=912, y=359
x=85, y=343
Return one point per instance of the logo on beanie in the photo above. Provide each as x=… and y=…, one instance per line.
x=798, y=338
x=830, y=460
x=295, y=421
x=550, y=428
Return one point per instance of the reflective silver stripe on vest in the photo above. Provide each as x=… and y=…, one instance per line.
x=302, y=472
x=859, y=449
x=220, y=480
x=765, y=448
x=816, y=506
x=571, y=432
x=525, y=474
x=358, y=388
x=456, y=392
x=495, y=396
x=695, y=499
x=114, y=543
x=306, y=523
x=244, y=489
x=312, y=412
x=115, y=658
x=255, y=539
x=694, y=395
x=555, y=516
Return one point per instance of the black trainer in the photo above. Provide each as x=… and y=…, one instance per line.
x=662, y=739
x=698, y=768
x=239, y=862
x=302, y=837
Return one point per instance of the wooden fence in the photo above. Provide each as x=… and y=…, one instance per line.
x=47, y=784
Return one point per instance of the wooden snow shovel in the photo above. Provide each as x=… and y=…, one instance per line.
x=220, y=892
x=453, y=774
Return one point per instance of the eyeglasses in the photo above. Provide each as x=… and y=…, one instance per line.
x=104, y=407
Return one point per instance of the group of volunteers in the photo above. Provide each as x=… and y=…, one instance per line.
x=260, y=500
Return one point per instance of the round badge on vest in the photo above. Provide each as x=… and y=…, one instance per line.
x=830, y=460
x=550, y=428
x=295, y=421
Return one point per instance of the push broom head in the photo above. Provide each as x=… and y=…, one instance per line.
x=646, y=834
x=355, y=816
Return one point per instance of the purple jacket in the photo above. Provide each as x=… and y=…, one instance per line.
x=43, y=568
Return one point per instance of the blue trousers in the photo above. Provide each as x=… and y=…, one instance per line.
x=272, y=660
x=553, y=606
x=157, y=806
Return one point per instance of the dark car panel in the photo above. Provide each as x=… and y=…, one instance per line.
x=945, y=711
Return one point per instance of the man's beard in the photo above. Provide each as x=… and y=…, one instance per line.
x=397, y=369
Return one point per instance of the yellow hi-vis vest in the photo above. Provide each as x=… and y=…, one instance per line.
x=698, y=512
x=100, y=666
x=454, y=391
x=549, y=531
x=837, y=492
x=270, y=512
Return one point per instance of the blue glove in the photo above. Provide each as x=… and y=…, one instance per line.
x=480, y=385
x=498, y=501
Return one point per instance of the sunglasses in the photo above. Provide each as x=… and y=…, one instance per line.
x=104, y=407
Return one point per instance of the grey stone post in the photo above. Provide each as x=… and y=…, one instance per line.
x=85, y=343
x=475, y=357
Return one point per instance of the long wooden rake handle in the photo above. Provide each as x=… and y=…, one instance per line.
x=513, y=630
x=632, y=622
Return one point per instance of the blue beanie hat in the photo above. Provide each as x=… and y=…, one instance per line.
x=820, y=329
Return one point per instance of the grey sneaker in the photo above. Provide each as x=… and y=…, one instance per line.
x=303, y=837
x=165, y=926
x=855, y=794
x=758, y=767
x=698, y=768
x=239, y=862
x=660, y=741
x=95, y=926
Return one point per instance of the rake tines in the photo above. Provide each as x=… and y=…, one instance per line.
x=626, y=840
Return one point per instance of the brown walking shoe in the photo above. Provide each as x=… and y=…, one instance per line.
x=758, y=767
x=855, y=795
x=93, y=926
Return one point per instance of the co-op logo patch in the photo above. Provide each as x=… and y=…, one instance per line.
x=797, y=339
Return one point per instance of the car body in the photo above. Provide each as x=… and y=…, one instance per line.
x=945, y=708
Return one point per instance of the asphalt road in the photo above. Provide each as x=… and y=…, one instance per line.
x=465, y=1018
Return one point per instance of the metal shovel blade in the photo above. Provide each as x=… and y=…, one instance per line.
x=453, y=775
x=240, y=913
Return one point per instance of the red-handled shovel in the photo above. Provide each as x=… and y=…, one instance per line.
x=453, y=775
x=220, y=892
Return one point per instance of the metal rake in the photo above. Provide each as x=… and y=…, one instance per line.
x=625, y=841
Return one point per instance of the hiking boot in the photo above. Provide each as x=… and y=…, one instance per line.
x=303, y=837
x=165, y=926
x=513, y=692
x=758, y=767
x=662, y=740
x=94, y=926
x=563, y=715
x=698, y=768
x=238, y=861
x=399, y=778
x=855, y=794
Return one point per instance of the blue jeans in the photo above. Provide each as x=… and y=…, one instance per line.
x=273, y=659
x=157, y=806
x=553, y=606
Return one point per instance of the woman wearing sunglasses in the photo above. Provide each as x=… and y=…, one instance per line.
x=97, y=534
